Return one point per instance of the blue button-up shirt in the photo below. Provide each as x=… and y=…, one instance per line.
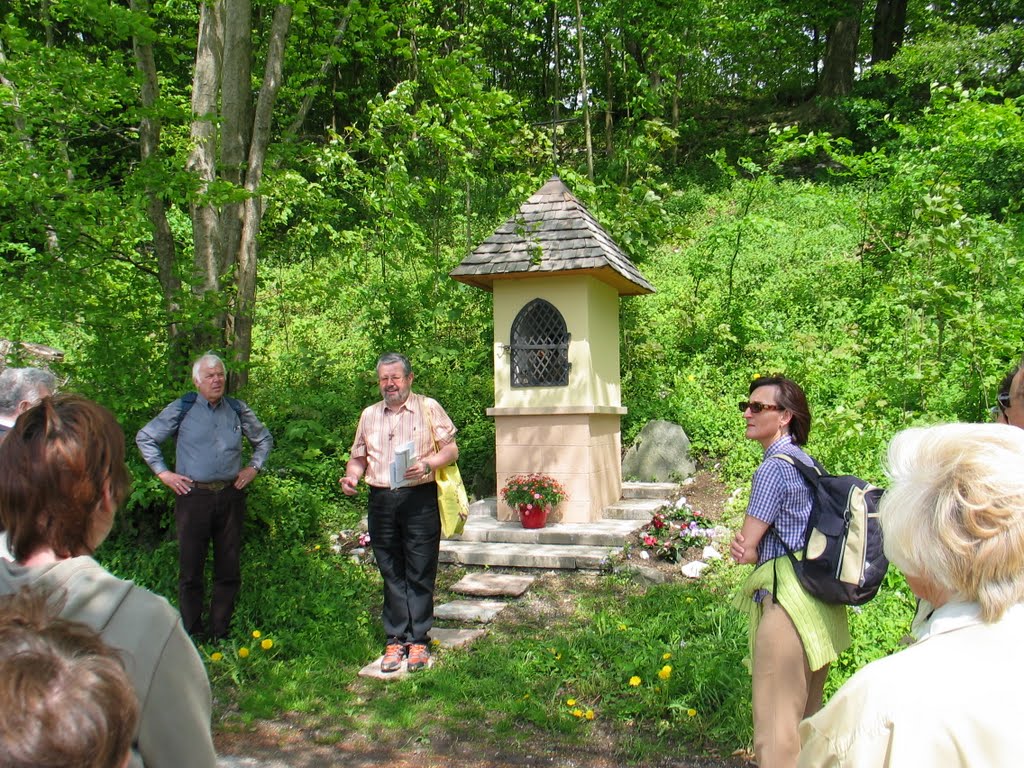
x=209, y=444
x=780, y=497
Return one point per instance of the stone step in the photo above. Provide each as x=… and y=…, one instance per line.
x=505, y=554
x=601, y=533
x=478, y=611
x=634, y=509
x=493, y=584
x=650, y=490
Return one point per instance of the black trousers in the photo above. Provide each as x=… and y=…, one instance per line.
x=405, y=532
x=201, y=517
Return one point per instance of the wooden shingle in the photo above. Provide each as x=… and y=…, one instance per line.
x=552, y=233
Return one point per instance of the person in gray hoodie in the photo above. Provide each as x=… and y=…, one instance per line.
x=62, y=477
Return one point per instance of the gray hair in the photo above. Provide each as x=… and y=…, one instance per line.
x=389, y=358
x=18, y=384
x=954, y=514
x=208, y=359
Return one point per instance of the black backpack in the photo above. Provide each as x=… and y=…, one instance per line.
x=843, y=561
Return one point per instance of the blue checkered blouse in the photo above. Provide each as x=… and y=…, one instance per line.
x=779, y=496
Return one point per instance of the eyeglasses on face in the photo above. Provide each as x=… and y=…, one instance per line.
x=1003, y=398
x=758, y=407
x=389, y=379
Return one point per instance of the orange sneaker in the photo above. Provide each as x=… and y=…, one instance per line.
x=419, y=657
x=394, y=653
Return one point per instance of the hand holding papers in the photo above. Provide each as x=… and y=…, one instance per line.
x=405, y=457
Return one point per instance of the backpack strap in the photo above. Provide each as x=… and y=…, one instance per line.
x=186, y=401
x=811, y=475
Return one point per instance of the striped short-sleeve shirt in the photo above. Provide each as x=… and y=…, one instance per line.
x=382, y=431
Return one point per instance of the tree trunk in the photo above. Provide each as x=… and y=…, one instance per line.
x=156, y=209
x=841, y=54
x=253, y=207
x=325, y=67
x=609, y=108
x=888, y=28
x=236, y=122
x=202, y=161
x=585, y=94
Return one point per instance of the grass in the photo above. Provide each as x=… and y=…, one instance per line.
x=655, y=670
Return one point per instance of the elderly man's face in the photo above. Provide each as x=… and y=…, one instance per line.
x=210, y=382
x=395, y=386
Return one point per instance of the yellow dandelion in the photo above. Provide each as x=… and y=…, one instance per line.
x=691, y=712
x=570, y=702
x=216, y=656
x=666, y=656
x=317, y=547
x=589, y=714
x=243, y=653
x=577, y=713
x=267, y=644
x=257, y=634
x=435, y=641
x=665, y=672
x=526, y=695
x=634, y=681
x=691, y=377
x=622, y=627
x=755, y=376
x=558, y=657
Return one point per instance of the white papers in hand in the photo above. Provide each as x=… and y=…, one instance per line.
x=405, y=457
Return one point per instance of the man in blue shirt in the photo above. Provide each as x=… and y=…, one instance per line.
x=209, y=483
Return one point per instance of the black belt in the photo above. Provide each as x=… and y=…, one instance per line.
x=215, y=486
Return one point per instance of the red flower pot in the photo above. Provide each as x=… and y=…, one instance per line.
x=533, y=516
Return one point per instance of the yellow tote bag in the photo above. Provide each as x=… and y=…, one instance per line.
x=452, y=501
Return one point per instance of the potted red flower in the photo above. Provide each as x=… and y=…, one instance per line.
x=533, y=496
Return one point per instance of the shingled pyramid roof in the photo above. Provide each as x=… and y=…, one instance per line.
x=551, y=234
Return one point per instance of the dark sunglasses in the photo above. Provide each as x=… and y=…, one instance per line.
x=758, y=407
x=1003, y=398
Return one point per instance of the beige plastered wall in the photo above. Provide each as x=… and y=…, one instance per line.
x=571, y=433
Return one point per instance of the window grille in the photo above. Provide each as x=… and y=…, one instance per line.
x=540, y=347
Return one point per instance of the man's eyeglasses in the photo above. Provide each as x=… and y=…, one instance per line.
x=1003, y=398
x=758, y=407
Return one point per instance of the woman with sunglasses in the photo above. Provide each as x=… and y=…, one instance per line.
x=793, y=636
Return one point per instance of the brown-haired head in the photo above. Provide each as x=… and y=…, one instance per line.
x=792, y=398
x=62, y=475
x=65, y=698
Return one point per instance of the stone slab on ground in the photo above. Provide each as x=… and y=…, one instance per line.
x=373, y=670
x=229, y=761
x=455, y=638
x=506, y=555
x=493, y=584
x=480, y=611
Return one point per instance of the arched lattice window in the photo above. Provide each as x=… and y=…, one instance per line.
x=540, y=347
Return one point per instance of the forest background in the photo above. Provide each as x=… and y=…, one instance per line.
x=829, y=189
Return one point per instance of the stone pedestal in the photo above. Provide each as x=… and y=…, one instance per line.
x=577, y=445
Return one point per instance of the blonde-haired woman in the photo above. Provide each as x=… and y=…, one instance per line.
x=953, y=521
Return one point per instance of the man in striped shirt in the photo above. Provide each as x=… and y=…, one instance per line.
x=404, y=522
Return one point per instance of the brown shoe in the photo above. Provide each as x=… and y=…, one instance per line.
x=419, y=657
x=394, y=653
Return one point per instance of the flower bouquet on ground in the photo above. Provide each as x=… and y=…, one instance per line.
x=533, y=496
x=675, y=530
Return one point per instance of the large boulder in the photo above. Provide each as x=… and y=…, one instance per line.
x=660, y=454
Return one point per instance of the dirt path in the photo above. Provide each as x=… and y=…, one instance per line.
x=278, y=745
